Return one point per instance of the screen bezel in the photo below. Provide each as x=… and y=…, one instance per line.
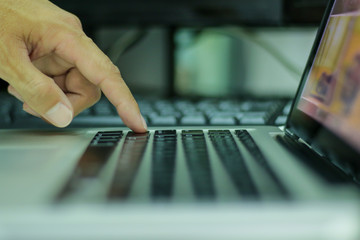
x=325, y=142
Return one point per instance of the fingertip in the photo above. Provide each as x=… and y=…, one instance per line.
x=136, y=122
x=144, y=124
x=139, y=126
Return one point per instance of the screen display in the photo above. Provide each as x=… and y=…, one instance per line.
x=331, y=94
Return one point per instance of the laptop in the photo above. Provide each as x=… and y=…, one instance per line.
x=298, y=181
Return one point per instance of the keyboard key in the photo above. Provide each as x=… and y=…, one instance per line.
x=163, y=164
x=227, y=105
x=137, y=137
x=261, y=114
x=193, y=120
x=219, y=120
x=171, y=112
x=198, y=164
x=191, y=112
x=106, y=138
x=281, y=120
x=172, y=133
x=91, y=163
x=192, y=133
x=251, y=106
x=128, y=163
x=233, y=162
x=252, y=120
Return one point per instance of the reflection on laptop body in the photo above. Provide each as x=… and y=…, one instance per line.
x=206, y=182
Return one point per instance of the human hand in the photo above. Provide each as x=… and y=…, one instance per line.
x=54, y=68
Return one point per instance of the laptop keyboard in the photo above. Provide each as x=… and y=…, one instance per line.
x=164, y=160
x=210, y=112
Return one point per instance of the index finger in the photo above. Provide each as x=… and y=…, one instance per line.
x=95, y=66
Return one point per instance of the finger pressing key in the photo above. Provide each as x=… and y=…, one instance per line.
x=96, y=67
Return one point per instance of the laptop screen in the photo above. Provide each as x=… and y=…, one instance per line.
x=331, y=95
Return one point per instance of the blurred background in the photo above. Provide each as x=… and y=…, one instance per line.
x=204, y=47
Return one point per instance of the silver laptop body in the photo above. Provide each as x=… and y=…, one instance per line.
x=295, y=182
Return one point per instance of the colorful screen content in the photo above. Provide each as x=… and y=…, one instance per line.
x=331, y=94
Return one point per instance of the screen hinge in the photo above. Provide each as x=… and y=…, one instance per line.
x=302, y=141
x=291, y=135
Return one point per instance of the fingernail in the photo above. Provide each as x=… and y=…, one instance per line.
x=59, y=115
x=144, y=122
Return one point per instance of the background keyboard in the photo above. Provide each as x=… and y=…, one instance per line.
x=159, y=112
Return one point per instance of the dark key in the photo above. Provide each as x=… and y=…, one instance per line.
x=166, y=132
x=96, y=155
x=233, y=162
x=192, y=133
x=128, y=164
x=92, y=161
x=163, y=164
x=106, y=139
x=137, y=136
x=198, y=164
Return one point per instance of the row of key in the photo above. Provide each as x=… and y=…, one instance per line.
x=164, y=155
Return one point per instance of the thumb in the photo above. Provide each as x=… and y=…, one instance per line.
x=42, y=94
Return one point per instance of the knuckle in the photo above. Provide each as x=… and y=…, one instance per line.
x=111, y=71
x=110, y=67
x=95, y=95
x=85, y=38
x=37, y=89
x=72, y=20
x=67, y=39
x=115, y=69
